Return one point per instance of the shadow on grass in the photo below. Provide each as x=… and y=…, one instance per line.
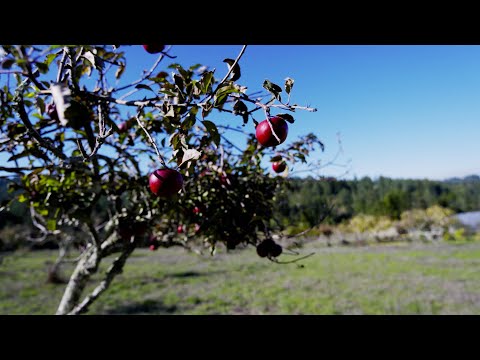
x=185, y=274
x=144, y=307
x=193, y=274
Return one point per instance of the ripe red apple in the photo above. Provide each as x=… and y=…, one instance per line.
x=165, y=182
x=262, y=250
x=279, y=166
x=197, y=228
x=154, y=49
x=276, y=250
x=196, y=210
x=123, y=127
x=152, y=247
x=264, y=133
x=180, y=229
x=52, y=112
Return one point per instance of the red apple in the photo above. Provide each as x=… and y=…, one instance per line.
x=180, y=229
x=123, y=127
x=152, y=247
x=52, y=111
x=154, y=49
x=197, y=228
x=279, y=166
x=264, y=133
x=196, y=210
x=165, y=182
x=275, y=250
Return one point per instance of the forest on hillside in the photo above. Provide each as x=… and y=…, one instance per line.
x=308, y=200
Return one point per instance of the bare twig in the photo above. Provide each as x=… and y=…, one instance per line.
x=227, y=75
x=43, y=142
x=144, y=77
x=231, y=68
x=160, y=157
x=62, y=65
x=291, y=261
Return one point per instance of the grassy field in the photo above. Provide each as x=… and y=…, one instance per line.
x=400, y=278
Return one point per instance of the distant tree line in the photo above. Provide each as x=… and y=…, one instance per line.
x=307, y=200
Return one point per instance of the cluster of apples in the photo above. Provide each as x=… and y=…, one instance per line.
x=265, y=137
x=269, y=248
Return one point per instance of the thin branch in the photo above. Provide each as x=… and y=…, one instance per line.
x=231, y=68
x=227, y=75
x=43, y=142
x=62, y=65
x=102, y=135
x=160, y=157
x=291, y=261
x=20, y=169
x=147, y=75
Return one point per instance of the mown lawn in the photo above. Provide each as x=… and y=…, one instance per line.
x=438, y=278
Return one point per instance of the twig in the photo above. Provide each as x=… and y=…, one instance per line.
x=291, y=261
x=20, y=169
x=102, y=135
x=228, y=73
x=62, y=65
x=160, y=157
x=231, y=68
x=160, y=58
x=26, y=121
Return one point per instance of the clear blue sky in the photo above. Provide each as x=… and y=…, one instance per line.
x=402, y=111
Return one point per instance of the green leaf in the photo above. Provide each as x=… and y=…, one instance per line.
x=222, y=94
x=52, y=224
x=212, y=130
x=50, y=58
x=241, y=109
x=178, y=81
x=190, y=154
x=142, y=86
x=120, y=71
x=272, y=88
x=195, y=67
x=42, y=67
x=40, y=105
x=288, y=85
x=235, y=74
x=189, y=122
x=276, y=158
x=286, y=117
x=206, y=81
x=7, y=64
x=94, y=60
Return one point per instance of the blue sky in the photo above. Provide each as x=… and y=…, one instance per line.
x=402, y=111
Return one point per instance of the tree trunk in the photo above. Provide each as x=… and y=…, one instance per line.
x=87, y=266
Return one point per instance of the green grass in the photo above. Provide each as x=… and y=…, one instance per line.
x=412, y=279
